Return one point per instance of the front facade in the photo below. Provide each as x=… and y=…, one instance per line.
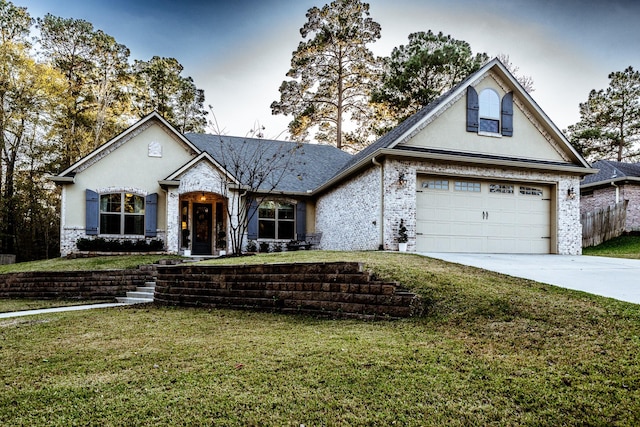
x=482, y=169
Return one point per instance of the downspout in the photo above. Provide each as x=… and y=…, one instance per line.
x=381, y=212
x=617, y=192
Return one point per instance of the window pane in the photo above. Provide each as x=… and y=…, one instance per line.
x=501, y=188
x=110, y=202
x=267, y=210
x=110, y=224
x=530, y=191
x=266, y=229
x=133, y=224
x=436, y=184
x=489, y=104
x=285, y=229
x=133, y=204
x=467, y=186
x=487, y=125
x=286, y=211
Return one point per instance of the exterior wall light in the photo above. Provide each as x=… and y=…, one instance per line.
x=571, y=193
x=401, y=179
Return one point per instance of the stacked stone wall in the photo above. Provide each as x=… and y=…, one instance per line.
x=325, y=289
x=73, y=284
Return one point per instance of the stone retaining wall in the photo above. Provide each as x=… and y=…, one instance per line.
x=326, y=289
x=73, y=284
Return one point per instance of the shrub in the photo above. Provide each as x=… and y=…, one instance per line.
x=100, y=244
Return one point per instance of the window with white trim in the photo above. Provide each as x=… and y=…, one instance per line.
x=473, y=187
x=501, y=188
x=276, y=220
x=530, y=191
x=121, y=213
x=436, y=184
x=489, y=111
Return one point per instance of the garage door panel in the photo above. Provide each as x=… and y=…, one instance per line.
x=484, y=217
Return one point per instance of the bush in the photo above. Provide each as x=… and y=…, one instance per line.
x=100, y=244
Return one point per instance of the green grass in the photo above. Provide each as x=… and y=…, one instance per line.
x=620, y=247
x=95, y=263
x=492, y=350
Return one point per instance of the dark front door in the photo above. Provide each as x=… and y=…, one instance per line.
x=202, y=230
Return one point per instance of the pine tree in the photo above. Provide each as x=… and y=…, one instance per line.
x=331, y=75
x=609, y=126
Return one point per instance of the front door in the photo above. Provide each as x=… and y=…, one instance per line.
x=202, y=229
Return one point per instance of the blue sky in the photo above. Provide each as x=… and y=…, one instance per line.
x=239, y=51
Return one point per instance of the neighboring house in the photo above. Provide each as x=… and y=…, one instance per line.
x=482, y=169
x=615, y=182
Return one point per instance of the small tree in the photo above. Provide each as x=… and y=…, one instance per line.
x=254, y=170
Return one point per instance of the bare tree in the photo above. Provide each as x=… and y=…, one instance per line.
x=255, y=168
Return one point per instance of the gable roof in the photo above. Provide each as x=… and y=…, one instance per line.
x=67, y=175
x=310, y=165
x=612, y=172
x=389, y=141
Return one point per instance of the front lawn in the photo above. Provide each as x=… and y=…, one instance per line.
x=491, y=350
x=620, y=247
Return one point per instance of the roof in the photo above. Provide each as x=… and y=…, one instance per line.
x=309, y=166
x=404, y=129
x=610, y=171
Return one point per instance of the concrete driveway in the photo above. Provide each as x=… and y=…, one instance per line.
x=610, y=277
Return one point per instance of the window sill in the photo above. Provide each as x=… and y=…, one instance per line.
x=490, y=134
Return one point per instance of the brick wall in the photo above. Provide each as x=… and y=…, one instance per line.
x=359, y=228
x=606, y=196
x=73, y=284
x=349, y=215
x=327, y=289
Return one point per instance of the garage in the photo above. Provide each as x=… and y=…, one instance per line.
x=457, y=214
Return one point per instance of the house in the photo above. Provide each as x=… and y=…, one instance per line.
x=615, y=182
x=482, y=169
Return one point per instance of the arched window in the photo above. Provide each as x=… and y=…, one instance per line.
x=489, y=111
x=122, y=213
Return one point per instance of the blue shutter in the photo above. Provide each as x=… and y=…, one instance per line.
x=301, y=221
x=473, y=108
x=507, y=114
x=92, y=213
x=252, y=221
x=151, y=215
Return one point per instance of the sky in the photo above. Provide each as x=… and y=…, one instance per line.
x=239, y=51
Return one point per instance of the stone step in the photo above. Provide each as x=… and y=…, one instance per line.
x=147, y=289
x=136, y=294
x=129, y=300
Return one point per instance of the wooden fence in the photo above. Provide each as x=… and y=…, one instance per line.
x=603, y=224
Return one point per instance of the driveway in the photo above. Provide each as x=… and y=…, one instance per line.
x=610, y=277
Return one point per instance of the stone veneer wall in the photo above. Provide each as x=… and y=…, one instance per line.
x=340, y=289
x=73, y=284
x=606, y=196
x=356, y=231
x=349, y=215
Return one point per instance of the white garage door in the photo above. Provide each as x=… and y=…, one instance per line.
x=460, y=215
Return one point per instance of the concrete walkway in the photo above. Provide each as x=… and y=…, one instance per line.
x=60, y=309
x=610, y=277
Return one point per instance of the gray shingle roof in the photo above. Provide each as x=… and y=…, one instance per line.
x=310, y=166
x=610, y=170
